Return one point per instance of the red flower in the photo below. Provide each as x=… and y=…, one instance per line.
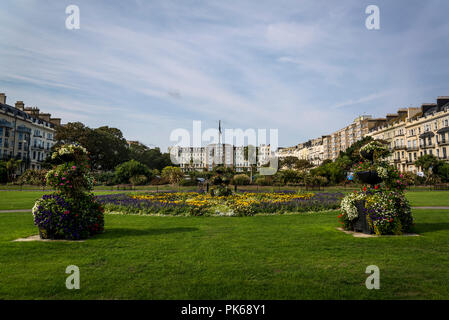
x=364, y=188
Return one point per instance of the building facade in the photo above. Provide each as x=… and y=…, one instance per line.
x=415, y=132
x=410, y=133
x=208, y=157
x=26, y=134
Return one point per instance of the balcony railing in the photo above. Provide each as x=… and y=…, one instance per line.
x=414, y=148
x=425, y=146
x=443, y=142
x=400, y=147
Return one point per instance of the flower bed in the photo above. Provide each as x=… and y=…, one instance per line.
x=196, y=204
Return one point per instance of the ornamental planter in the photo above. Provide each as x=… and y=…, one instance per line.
x=369, y=177
x=43, y=233
x=361, y=223
x=368, y=155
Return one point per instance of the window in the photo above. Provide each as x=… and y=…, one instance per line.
x=20, y=146
x=1, y=131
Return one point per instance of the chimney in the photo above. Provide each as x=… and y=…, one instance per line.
x=441, y=101
x=2, y=98
x=391, y=117
x=56, y=121
x=34, y=112
x=413, y=111
x=45, y=116
x=20, y=105
x=425, y=107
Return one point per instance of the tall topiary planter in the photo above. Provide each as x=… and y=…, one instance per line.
x=72, y=211
x=380, y=207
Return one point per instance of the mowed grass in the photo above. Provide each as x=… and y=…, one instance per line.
x=11, y=200
x=299, y=256
x=14, y=200
x=429, y=198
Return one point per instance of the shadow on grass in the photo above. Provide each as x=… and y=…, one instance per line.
x=129, y=232
x=430, y=227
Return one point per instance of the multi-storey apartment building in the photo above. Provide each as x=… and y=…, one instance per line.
x=345, y=137
x=25, y=134
x=414, y=132
x=212, y=155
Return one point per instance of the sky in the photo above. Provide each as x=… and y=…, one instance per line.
x=306, y=68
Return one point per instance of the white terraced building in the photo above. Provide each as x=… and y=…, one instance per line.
x=212, y=155
x=25, y=134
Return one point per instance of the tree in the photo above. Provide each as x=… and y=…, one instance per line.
x=353, y=151
x=127, y=170
x=152, y=158
x=426, y=162
x=73, y=132
x=11, y=167
x=107, y=147
x=172, y=174
x=303, y=164
x=289, y=162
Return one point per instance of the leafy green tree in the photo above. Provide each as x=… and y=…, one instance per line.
x=11, y=167
x=132, y=168
x=353, y=151
x=303, y=164
x=443, y=171
x=289, y=162
x=427, y=161
x=152, y=158
x=106, y=146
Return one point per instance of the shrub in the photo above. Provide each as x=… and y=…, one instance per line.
x=138, y=180
x=172, y=174
x=264, y=181
x=188, y=182
x=241, y=180
x=105, y=178
x=33, y=177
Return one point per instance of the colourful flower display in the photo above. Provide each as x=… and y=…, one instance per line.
x=72, y=212
x=383, y=205
x=196, y=204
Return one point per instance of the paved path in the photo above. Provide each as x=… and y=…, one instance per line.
x=28, y=210
x=436, y=208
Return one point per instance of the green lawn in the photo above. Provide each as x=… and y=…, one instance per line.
x=263, y=257
x=10, y=200
x=428, y=198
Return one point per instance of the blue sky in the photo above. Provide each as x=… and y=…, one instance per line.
x=306, y=68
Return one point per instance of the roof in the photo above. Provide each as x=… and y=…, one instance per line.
x=15, y=111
